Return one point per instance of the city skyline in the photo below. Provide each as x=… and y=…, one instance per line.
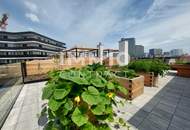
x=153, y=23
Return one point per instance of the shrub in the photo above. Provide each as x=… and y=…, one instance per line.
x=156, y=66
x=182, y=62
x=80, y=99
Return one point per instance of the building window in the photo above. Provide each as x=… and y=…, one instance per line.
x=5, y=37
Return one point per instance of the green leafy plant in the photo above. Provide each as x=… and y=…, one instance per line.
x=127, y=73
x=80, y=99
x=182, y=62
x=96, y=67
x=156, y=66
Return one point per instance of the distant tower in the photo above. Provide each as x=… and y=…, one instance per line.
x=123, y=52
x=4, y=22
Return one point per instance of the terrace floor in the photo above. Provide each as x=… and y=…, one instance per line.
x=160, y=108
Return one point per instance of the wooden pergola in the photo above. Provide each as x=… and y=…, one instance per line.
x=86, y=52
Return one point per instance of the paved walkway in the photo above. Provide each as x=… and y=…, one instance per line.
x=162, y=108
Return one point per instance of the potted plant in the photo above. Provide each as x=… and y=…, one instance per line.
x=80, y=99
x=150, y=69
x=183, y=68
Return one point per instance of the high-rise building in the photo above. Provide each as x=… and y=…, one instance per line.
x=131, y=46
x=166, y=54
x=19, y=46
x=156, y=52
x=176, y=52
x=139, y=51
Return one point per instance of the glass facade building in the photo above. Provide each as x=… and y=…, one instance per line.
x=19, y=46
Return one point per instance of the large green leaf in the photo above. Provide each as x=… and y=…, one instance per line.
x=79, y=118
x=91, y=96
x=61, y=93
x=97, y=82
x=75, y=77
x=68, y=105
x=88, y=126
x=110, y=85
x=104, y=99
x=79, y=80
x=64, y=120
x=109, y=109
x=54, y=105
x=98, y=109
x=122, y=89
x=47, y=92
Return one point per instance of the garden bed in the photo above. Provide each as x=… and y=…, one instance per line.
x=182, y=70
x=135, y=86
x=150, y=80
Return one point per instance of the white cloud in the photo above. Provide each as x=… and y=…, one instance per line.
x=31, y=6
x=166, y=25
x=154, y=23
x=32, y=17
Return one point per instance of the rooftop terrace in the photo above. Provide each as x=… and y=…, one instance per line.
x=160, y=108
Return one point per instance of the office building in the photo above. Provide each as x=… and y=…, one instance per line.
x=176, y=52
x=139, y=51
x=155, y=52
x=166, y=54
x=19, y=46
x=131, y=45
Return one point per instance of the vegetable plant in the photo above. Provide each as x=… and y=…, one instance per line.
x=80, y=99
x=127, y=73
x=156, y=66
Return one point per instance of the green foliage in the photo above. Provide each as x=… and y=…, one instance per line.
x=96, y=67
x=80, y=99
x=182, y=62
x=156, y=66
x=127, y=73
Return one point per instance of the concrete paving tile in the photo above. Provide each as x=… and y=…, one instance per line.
x=24, y=116
x=138, y=117
x=11, y=120
x=172, y=127
x=180, y=122
x=183, y=114
x=162, y=114
x=148, y=125
x=170, y=102
x=12, y=127
x=166, y=107
x=159, y=122
x=26, y=125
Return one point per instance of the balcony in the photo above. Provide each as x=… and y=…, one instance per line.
x=34, y=39
x=28, y=49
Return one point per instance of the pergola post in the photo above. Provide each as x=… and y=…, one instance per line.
x=100, y=52
x=61, y=58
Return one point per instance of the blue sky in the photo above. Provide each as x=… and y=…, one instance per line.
x=154, y=23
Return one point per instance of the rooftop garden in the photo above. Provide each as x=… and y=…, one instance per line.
x=81, y=99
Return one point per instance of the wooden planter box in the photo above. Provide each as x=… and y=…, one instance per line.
x=134, y=86
x=150, y=80
x=182, y=70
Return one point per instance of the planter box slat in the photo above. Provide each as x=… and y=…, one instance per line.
x=134, y=86
x=182, y=70
x=149, y=79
